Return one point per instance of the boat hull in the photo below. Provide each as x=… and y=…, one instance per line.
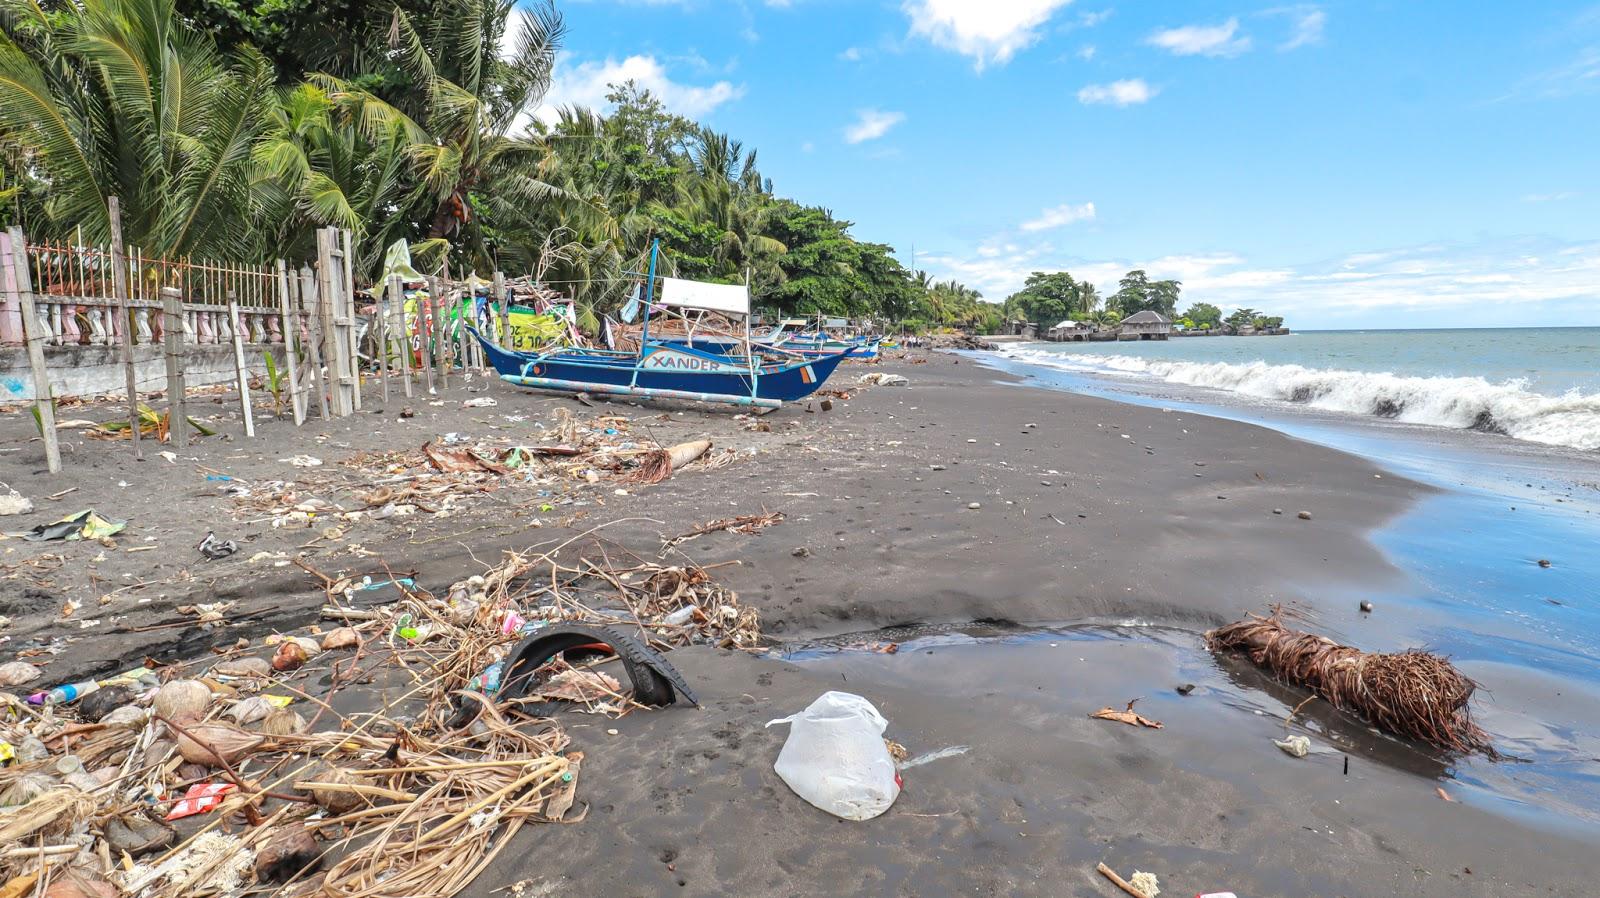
x=663, y=369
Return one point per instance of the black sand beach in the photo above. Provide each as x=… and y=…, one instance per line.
x=1088, y=512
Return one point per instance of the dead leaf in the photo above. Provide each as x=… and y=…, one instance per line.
x=1127, y=717
x=460, y=461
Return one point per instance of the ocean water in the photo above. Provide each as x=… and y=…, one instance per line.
x=1499, y=562
x=1537, y=385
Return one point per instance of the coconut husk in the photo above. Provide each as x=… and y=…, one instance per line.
x=341, y=638
x=250, y=710
x=282, y=722
x=182, y=700
x=203, y=743
x=1415, y=694
x=16, y=673
x=244, y=667
x=289, y=656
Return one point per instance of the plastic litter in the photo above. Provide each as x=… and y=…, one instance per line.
x=303, y=461
x=480, y=402
x=1299, y=746
x=13, y=502
x=214, y=548
x=200, y=798
x=835, y=758
x=68, y=692
x=85, y=524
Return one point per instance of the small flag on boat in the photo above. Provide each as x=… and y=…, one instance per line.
x=807, y=375
x=631, y=310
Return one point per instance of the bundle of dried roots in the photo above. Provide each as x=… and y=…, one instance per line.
x=1415, y=694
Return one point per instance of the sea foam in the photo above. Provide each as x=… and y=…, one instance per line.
x=1571, y=419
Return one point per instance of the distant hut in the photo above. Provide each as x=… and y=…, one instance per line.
x=1070, y=332
x=1146, y=325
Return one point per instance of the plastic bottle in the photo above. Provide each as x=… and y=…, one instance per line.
x=68, y=692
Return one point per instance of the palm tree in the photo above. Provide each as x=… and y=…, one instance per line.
x=119, y=98
x=331, y=154
x=473, y=100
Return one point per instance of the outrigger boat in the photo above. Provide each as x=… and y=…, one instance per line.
x=669, y=370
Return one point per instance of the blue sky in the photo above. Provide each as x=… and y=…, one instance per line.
x=1353, y=164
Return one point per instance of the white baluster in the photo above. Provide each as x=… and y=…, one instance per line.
x=141, y=326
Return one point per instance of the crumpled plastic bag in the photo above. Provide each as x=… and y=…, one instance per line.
x=835, y=757
x=86, y=524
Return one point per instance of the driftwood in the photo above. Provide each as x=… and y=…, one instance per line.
x=1415, y=694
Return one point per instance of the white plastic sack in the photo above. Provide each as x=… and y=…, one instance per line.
x=835, y=757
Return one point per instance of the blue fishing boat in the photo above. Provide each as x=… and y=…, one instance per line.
x=673, y=370
x=663, y=371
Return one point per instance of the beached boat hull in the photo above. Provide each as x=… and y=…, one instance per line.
x=663, y=371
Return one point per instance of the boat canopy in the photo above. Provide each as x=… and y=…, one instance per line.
x=731, y=298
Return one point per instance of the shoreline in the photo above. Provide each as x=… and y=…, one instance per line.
x=876, y=493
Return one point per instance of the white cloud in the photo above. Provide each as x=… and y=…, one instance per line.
x=1086, y=52
x=1118, y=93
x=872, y=124
x=1308, y=25
x=1549, y=197
x=1091, y=19
x=851, y=54
x=1202, y=40
x=1060, y=216
x=587, y=84
x=990, y=31
x=1494, y=282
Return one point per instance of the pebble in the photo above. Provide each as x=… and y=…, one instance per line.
x=1277, y=511
x=1304, y=516
x=972, y=441
x=1366, y=607
x=938, y=467
x=974, y=506
x=801, y=552
x=613, y=732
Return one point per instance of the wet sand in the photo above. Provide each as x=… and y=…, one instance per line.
x=1088, y=511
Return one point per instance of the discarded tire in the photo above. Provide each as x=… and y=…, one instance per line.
x=655, y=681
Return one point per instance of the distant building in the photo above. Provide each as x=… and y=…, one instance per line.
x=1070, y=332
x=1146, y=325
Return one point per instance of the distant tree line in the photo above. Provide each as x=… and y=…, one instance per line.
x=1048, y=298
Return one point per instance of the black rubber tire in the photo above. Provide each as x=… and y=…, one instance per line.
x=655, y=681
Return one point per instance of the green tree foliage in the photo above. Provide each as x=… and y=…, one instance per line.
x=234, y=128
x=1137, y=293
x=1203, y=315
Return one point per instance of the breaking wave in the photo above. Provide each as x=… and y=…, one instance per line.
x=1473, y=403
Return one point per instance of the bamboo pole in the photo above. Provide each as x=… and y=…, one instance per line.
x=172, y=337
x=239, y=370
x=119, y=277
x=504, y=301
x=290, y=324
x=326, y=305
x=22, y=283
x=426, y=336
x=440, y=343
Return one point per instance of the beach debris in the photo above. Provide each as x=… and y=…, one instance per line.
x=882, y=379
x=1415, y=693
x=1185, y=689
x=17, y=673
x=215, y=744
x=657, y=465
x=200, y=798
x=213, y=548
x=480, y=402
x=459, y=460
x=835, y=757
x=303, y=461
x=136, y=834
x=747, y=524
x=86, y=524
x=13, y=502
x=289, y=656
x=1127, y=716
x=1304, y=515
x=182, y=700
x=801, y=552
x=1443, y=795
x=288, y=852
x=655, y=681
x=341, y=638
x=974, y=506
x=826, y=405
x=1295, y=746
x=1543, y=562
x=1142, y=885
x=903, y=763
x=1366, y=607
